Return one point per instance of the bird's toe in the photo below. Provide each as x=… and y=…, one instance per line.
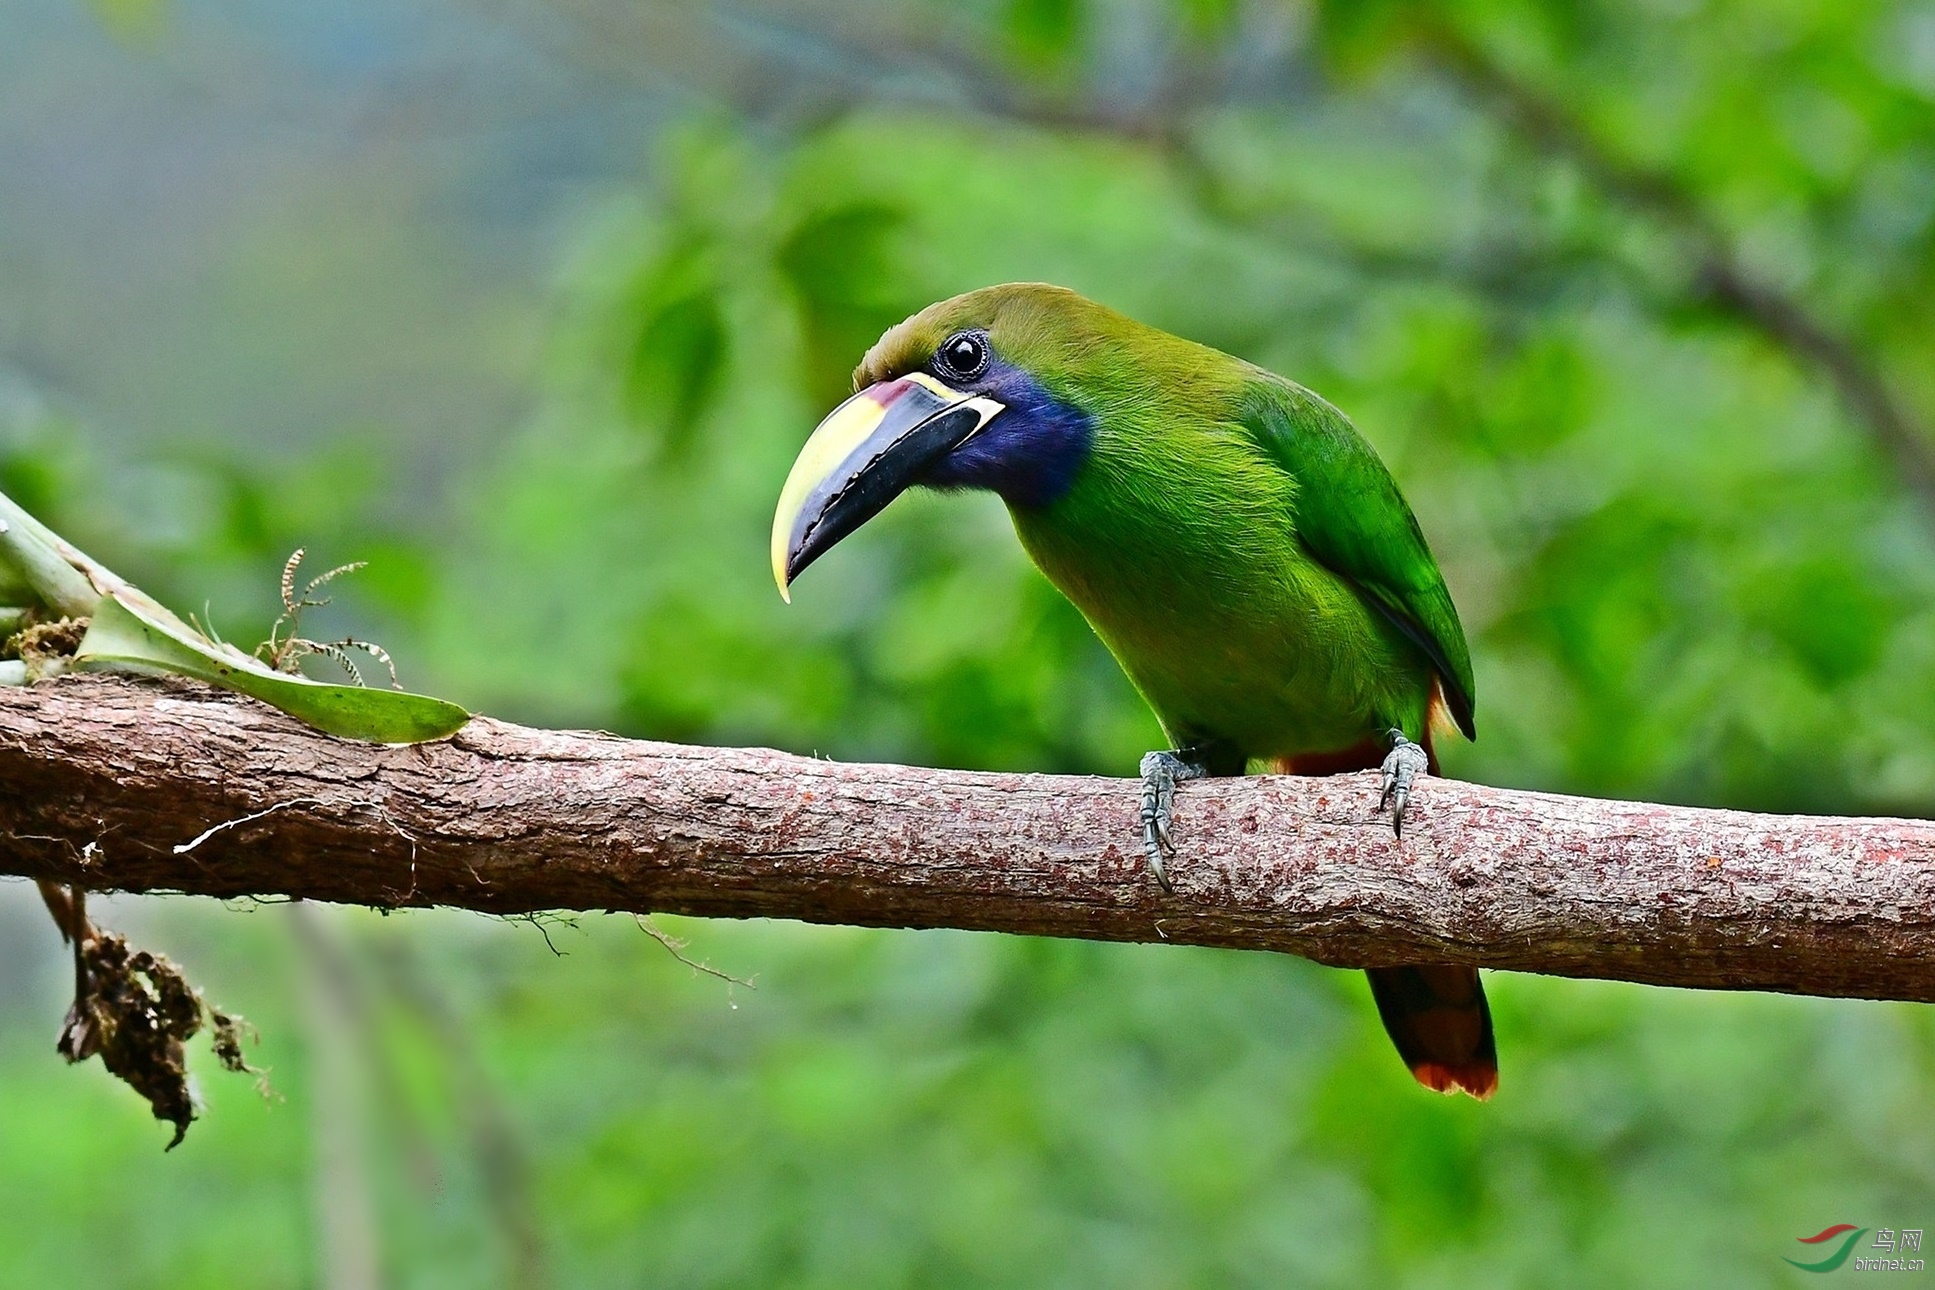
x=1400, y=771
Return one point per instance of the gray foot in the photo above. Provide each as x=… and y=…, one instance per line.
x=1406, y=762
x=1161, y=772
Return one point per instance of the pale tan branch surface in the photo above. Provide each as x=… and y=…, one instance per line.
x=119, y=784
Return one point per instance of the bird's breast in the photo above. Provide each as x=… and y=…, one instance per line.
x=1188, y=566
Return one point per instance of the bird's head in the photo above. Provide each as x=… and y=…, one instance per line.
x=986, y=390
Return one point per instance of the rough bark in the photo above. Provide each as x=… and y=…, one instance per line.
x=118, y=784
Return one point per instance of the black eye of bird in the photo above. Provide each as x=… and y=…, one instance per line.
x=964, y=355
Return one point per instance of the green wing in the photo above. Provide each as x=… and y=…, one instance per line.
x=1352, y=518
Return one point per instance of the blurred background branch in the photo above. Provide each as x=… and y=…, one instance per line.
x=348, y=1252
x=1718, y=274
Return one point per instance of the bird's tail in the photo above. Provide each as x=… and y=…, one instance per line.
x=1438, y=1018
x=1436, y=1015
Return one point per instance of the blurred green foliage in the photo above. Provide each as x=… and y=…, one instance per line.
x=1689, y=570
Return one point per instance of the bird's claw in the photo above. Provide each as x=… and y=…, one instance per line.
x=1401, y=769
x=1161, y=772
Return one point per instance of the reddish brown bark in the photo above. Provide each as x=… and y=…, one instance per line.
x=119, y=784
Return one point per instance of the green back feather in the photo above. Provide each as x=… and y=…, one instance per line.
x=1352, y=518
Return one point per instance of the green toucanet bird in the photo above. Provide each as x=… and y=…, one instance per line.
x=1232, y=539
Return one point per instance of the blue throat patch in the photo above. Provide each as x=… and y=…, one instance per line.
x=1029, y=454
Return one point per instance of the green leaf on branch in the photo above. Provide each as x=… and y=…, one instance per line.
x=131, y=631
x=133, y=637
x=38, y=562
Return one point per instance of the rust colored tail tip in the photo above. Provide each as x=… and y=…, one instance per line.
x=1479, y=1081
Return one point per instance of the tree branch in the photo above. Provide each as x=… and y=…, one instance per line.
x=117, y=784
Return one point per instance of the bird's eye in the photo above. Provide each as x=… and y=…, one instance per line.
x=963, y=356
